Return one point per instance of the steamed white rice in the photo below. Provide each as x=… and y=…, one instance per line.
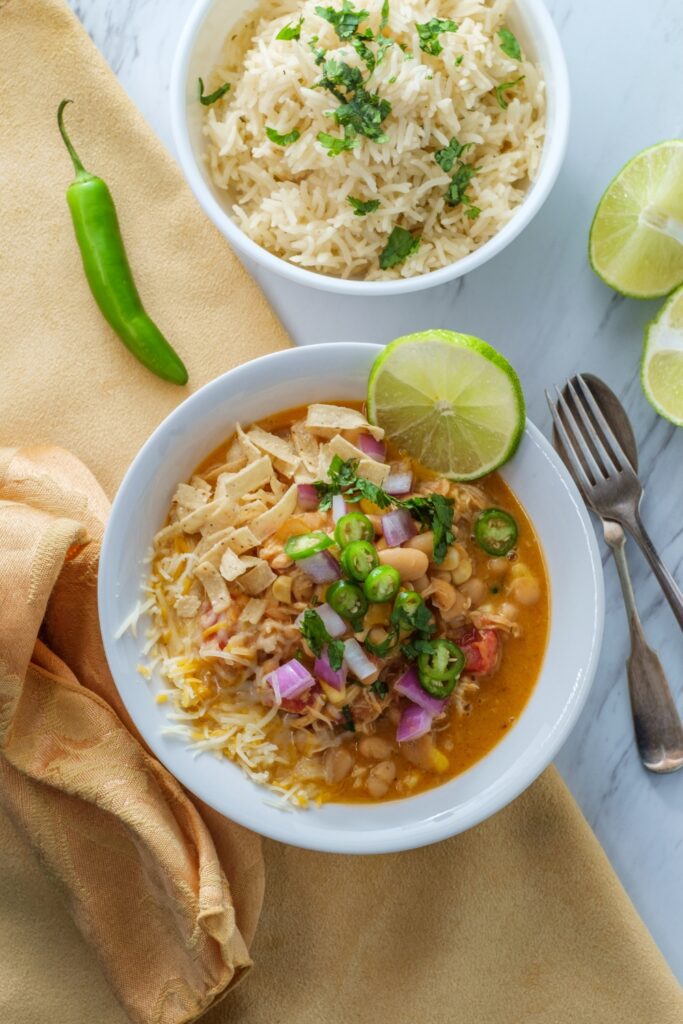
x=293, y=200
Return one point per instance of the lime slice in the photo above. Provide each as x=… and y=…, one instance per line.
x=449, y=400
x=636, y=238
x=661, y=369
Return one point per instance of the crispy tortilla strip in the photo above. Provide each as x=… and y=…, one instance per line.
x=370, y=469
x=258, y=577
x=281, y=452
x=215, y=586
x=306, y=446
x=254, y=475
x=211, y=547
x=189, y=498
x=328, y=420
x=270, y=521
x=187, y=606
x=231, y=566
x=243, y=540
x=250, y=450
x=253, y=610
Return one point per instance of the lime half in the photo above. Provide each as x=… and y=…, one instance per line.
x=636, y=238
x=449, y=400
x=661, y=369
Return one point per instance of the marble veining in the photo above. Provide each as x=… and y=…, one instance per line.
x=540, y=304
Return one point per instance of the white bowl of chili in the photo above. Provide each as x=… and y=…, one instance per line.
x=270, y=223
x=541, y=484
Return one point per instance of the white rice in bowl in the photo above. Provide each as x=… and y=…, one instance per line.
x=293, y=199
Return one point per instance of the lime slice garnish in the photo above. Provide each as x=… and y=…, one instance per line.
x=636, y=238
x=661, y=369
x=449, y=400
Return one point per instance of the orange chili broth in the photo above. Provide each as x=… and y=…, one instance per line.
x=501, y=697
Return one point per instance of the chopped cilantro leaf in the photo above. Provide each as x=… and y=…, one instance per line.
x=337, y=76
x=282, y=140
x=436, y=513
x=400, y=245
x=319, y=55
x=421, y=619
x=503, y=88
x=384, y=16
x=315, y=634
x=361, y=208
x=455, y=193
x=380, y=688
x=446, y=157
x=414, y=648
x=335, y=145
x=458, y=60
x=291, y=31
x=213, y=96
x=429, y=34
x=365, y=114
x=365, y=53
x=347, y=715
x=345, y=21
x=382, y=647
x=509, y=43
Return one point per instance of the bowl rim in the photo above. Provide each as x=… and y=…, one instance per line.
x=554, y=150
x=411, y=834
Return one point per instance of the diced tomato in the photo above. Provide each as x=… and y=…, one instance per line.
x=481, y=648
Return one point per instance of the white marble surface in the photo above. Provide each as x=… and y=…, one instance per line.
x=541, y=305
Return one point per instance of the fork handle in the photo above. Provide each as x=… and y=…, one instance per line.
x=657, y=725
x=672, y=591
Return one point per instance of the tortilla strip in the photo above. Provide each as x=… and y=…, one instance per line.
x=306, y=446
x=189, y=498
x=370, y=469
x=281, y=452
x=253, y=476
x=231, y=566
x=215, y=586
x=257, y=578
x=327, y=420
x=270, y=521
x=211, y=547
x=254, y=610
x=248, y=447
x=242, y=540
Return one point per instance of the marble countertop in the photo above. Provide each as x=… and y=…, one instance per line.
x=540, y=304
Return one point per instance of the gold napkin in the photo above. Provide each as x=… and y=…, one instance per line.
x=520, y=919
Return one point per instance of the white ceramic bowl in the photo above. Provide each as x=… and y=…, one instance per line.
x=200, y=44
x=325, y=372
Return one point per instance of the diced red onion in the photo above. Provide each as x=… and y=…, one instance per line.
x=322, y=567
x=334, y=624
x=357, y=661
x=399, y=483
x=413, y=723
x=339, y=508
x=372, y=447
x=289, y=680
x=323, y=670
x=307, y=496
x=409, y=686
x=398, y=526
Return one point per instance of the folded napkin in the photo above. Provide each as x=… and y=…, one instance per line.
x=121, y=899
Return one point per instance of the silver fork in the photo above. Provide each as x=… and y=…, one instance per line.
x=657, y=725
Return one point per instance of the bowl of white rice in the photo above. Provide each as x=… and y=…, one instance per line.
x=370, y=148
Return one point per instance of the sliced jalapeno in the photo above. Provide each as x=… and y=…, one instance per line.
x=439, y=668
x=348, y=600
x=380, y=641
x=495, y=531
x=359, y=559
x=382, y=584
x=351, y=527
x=306, y=544
x=410, y=612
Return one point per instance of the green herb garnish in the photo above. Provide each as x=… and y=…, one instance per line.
x=509, y=43
x=365, y=114
x=429, y=34
x=415, y=647
x=461, y=177
x=362, y=209
x=446, y=157
x=503, y=88
x=213, y=96
x=349, y=723
x=318, y=54
x=315, y=634
x=458, y=60
x=365, y=53
x=282, y=140
x=399, y=247
x=435, y=513
x=337, y=76
x=346, y=21
x=335, y=145
x=291, y=31
x=420, y=619
x=380, y=688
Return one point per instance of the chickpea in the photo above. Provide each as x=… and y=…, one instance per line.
x=375, y=748
x=476, y=590
x=423, y=542
x=452, y=559
x=443, y=594
x=525, y=590
x=338, y=764
x=439, y=574
x=410, y=563
x=463, y=571
x=498, y=566
x=509, y=610
x=380, y=778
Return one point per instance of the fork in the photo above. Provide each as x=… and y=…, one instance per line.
x=606, y=475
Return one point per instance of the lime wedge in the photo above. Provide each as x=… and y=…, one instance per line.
x=449, y=400
x=661, y=369
x=636, y=238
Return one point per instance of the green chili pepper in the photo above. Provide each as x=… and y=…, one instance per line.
x=108, y=271
x=348, y=600
x=359, y=559
x=306, y=544
x=382, y=584
x=495, y=531
x=439, y=668
x=351, y=527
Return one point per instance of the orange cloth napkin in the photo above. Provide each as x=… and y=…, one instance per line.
x=120, y=899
